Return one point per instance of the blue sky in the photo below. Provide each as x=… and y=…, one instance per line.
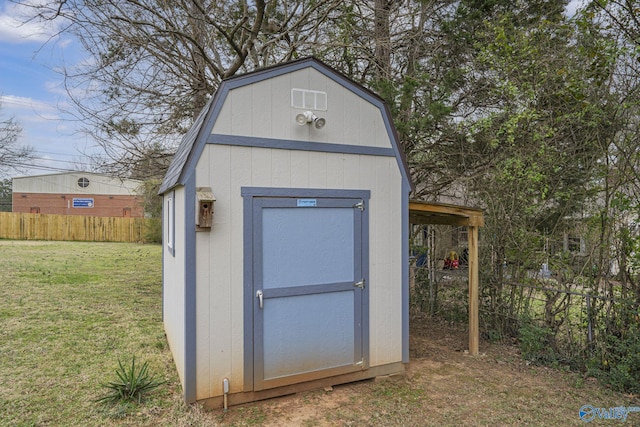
x=32, y=92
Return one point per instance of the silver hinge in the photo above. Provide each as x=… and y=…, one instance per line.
x=360, y=363
x=359, y=205
x=360, y=284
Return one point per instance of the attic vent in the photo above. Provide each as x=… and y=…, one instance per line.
x=309, y=99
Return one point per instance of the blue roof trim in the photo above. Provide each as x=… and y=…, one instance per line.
x=190, y=149
x=304, y=192
x=285, y=144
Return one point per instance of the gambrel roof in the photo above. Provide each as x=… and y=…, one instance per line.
x=191, y=147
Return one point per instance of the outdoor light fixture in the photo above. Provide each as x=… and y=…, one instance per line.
x=308, y=117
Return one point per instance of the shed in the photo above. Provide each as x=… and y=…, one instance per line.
x=286, y=228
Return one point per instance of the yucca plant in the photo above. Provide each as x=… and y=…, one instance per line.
x=132, y=383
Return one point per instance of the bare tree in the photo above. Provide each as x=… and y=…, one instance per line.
x=154, y=63
x=12, y=155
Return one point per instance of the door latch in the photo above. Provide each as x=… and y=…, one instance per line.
x=259, y=296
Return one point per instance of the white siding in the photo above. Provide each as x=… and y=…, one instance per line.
x=264, y=110
x=385, y=261
x=220, y=328
x=174, y=283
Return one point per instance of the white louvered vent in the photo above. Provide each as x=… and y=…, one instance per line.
x=309, y=99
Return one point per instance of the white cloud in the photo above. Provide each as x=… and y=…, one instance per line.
x=11, y=102
x=17, y=24
x=55, y=87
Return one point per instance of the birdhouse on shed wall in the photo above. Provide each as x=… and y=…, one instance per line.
x=204, y=208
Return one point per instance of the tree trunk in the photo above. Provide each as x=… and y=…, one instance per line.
x=383, y=39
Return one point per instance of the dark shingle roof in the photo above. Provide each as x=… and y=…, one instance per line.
x=174, y=172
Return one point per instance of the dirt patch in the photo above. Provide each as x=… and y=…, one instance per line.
x=443, y=385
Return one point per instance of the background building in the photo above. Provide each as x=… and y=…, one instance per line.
x=77, y=193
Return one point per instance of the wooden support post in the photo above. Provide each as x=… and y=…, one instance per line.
x=474, y=328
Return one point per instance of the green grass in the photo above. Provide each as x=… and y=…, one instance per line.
x=69, y=311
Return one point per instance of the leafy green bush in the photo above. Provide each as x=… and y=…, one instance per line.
x=618, y=361
x=153, y=230
x=453, y=306
x=534, y=343
x=422, y=296
x=132, y=383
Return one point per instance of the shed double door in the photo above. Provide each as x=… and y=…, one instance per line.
x=308, y=288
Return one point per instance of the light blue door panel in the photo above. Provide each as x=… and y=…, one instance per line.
x=308, y=316
x=307, y=246
x=308, y=333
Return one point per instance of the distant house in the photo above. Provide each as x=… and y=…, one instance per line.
x=77, y=193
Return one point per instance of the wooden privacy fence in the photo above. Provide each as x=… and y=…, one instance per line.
x=25, y=226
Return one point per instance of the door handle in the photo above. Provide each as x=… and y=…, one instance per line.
x=259, y=296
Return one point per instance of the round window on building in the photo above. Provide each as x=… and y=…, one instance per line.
x=83, y=182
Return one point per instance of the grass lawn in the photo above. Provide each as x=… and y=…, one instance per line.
x=70, y=310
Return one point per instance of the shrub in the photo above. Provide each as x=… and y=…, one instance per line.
x=132, y=383
x=422, y=297
x=153, y=230
x=534, y=343
x=618, y=361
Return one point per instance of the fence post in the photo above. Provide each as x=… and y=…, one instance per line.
x=589, y=327
x=474, y=329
